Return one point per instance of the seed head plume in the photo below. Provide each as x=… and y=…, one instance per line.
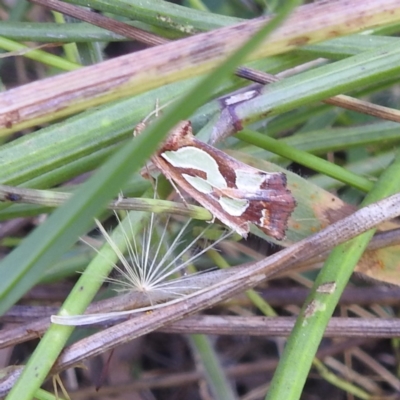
x=154, y=265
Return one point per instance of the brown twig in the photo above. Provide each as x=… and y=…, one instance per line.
x=48, y=198
x=339, y=232
x=30, y=330
x=260, y=326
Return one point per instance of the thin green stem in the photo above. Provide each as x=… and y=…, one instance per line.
x=320, y=304
x=253, y=296
x=306, y=159
x=51, y=198
x=70, y=49
x=339, y=382
x=37, y=55
x=211, y=367
x=71, y=220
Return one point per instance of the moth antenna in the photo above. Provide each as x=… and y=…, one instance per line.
x=157, y=110
x=141, y=126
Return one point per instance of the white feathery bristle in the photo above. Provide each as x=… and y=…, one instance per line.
x=148, y=268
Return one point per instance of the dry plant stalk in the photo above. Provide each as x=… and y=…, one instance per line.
x=246, y=278
x=69, y=93
x=242, y=279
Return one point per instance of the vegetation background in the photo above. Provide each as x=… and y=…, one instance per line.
x=66, y=133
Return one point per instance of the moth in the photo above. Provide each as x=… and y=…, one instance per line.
x=235, y=193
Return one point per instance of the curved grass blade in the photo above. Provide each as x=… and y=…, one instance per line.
x=319, y=306
x=61, y=230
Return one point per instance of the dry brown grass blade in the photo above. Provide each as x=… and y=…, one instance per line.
x=254, y=326
x=343, y=101
x=131, y=74
x=34, y=328
x=330, y=237
x=178, y=379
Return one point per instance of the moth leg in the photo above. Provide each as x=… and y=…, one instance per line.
x=212, y=220
x=157, y=109
x=177, y=191
x=119, y=198
x=147, y=173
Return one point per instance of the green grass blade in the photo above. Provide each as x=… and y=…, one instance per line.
x=306, y=159
x=38, y=55
x=134, y=74
x=207, y=357
x=161, y=13
x=303, y=343
x=21, y=269
x=323, y=82
x=79, y=32
x=333, y=139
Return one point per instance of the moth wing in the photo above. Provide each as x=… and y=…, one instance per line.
x=208, y=201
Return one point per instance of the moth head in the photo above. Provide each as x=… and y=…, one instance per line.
x=181, y=134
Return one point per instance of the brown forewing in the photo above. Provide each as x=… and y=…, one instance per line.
x=270, y=205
